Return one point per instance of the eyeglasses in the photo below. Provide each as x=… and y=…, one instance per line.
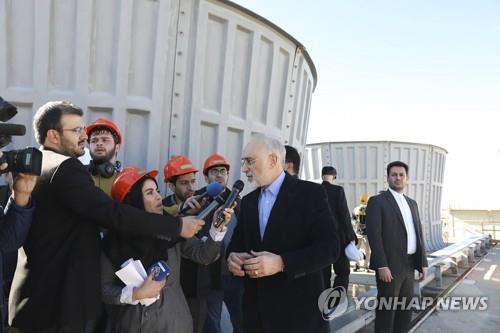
x=78, y=130
x=249, y=161
x=216, y=172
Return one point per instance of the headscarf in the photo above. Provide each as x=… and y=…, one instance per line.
x=120, y=246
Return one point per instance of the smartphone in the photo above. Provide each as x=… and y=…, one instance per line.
x=160, y=270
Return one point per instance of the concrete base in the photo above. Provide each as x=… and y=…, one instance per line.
x=482, y=281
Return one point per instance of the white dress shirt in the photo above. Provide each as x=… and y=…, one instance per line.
x=404, y=207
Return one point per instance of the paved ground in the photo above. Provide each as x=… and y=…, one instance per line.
x=484, y=280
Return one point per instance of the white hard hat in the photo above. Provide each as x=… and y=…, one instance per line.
x=352, y=252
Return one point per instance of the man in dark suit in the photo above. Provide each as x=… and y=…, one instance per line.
x=56, y=286
x=395, y=237
x=292, y=161
x=340, y=211
x=284, y=236
x=223, y=286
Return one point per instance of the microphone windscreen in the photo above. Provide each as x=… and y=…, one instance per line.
x=214, y=189
x=238, y=185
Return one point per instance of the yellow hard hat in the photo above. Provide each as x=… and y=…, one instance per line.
x=363, y=198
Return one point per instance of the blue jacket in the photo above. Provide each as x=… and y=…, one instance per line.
x=14, y=226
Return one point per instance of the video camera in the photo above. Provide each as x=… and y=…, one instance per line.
x=28, y=160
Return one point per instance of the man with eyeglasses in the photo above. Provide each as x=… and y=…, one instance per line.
x=215, y=278
x=56, y=286
x=284, y=236
x=105, y=140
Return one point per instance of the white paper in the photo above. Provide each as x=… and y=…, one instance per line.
x=140, y=269
x=126, y=262
x=133, y=273
x=129, y=275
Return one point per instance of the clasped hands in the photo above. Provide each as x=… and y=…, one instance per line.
x=254, y=264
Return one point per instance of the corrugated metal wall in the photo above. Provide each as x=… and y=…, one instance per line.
x=178, y=76
x=361, y=168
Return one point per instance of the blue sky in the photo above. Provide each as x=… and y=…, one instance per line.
x=420, y=71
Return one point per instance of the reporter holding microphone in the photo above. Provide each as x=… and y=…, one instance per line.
x=56, y=287
x=170, y=313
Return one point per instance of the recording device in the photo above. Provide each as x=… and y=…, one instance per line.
x=105, y=169
x=27, y=160
x=160, y=270
x=211, y=191
x=237, y=188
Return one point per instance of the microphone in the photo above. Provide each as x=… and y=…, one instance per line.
x=212, y=190
x=237, y=188
x=12, y=129
x=218, y=201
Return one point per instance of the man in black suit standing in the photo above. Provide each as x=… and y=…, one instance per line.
x=395, y=237
x=57, y=283
x=284, y=236
x=340, y=211
x=292, y=161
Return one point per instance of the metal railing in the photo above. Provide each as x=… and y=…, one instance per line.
x=460, y=254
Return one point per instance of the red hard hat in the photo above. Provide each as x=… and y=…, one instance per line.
x=214, y=160
x=126, y=179
x=176, y=166
x=107, y=124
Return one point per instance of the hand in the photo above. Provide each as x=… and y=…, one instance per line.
x=421, y=276
x=149, y=289
x=228, y=212
x=385, y=274
x=22, y=187
x=194, y=205
x=263, y=264
x=3, y=166
x=190, y=226
x=235, y=262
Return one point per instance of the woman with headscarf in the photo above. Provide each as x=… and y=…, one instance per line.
x=169, y=313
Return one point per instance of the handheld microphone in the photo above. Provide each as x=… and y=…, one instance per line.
x=212, y=190
x=237, y=188
x=12, y=129
x=218, y=201
x=160, y=270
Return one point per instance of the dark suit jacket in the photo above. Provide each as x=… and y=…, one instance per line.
x=57, y=280
x=387, y=233
x=198, y=279
x=302, y=231
x=338, y=205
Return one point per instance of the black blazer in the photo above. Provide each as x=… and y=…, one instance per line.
x=300, y=229
x=340, y=210
x=387, y=233
x=198, y=279
x=57, y=280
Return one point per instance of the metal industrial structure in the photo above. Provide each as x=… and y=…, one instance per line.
x=361, y=168
x=189, y=77
x=462, y=223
